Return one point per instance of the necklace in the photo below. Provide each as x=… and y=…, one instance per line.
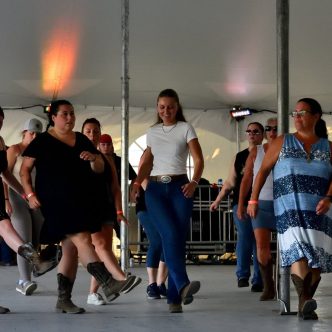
x=169, y=130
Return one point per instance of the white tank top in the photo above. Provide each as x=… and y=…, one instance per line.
x=266, y=193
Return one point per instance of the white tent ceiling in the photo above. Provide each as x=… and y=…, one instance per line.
x=215, y=53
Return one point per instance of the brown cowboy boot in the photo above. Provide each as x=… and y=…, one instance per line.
x=269, y=291
x=39, y=266
x=64, y=303
x=111, y=287
x=307, y=304
x=314, y=286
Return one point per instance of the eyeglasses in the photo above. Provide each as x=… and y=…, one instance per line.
x=254, y=132
x=301, y=113
x=269, y=128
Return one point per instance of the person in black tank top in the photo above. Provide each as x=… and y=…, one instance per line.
x=246, y=244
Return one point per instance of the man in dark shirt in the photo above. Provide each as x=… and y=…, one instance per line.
x=246, y=244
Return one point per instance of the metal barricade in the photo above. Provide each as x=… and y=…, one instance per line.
x=212, y=234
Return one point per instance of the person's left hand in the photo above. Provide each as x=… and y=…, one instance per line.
x=188, y=189
x=86, y=155
x=121, y=217
x=323, y=206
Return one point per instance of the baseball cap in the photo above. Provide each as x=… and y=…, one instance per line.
x=105, y=138
x=33, y=125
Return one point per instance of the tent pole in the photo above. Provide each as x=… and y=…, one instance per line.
x=282, y=11
x=124, y=130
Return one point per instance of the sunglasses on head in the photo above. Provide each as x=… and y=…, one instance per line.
x=271, y=128
x=254, y=132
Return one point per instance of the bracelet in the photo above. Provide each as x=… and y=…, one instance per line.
x=194, y=181
x=30, y=195
x=137, y=183
x=24, y=196
x=119, y=212
x=252, y=202
x=329, y=197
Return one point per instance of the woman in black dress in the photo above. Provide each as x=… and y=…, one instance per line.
x=66, y=163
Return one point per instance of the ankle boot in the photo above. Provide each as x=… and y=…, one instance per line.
x=64, y=303
x=269, y=286
x=39, y=266
x=4, y=310
x=111, y=287
x=307, y=304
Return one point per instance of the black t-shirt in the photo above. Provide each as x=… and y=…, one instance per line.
x=117, y=161
x=240, y=161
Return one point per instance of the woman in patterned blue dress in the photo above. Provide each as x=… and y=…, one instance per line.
x=302, y=172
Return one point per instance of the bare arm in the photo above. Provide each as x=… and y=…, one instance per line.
x=246, y=182
x=143, y=172
x=12, y=153
x=268, y=162
x=96, y=161
x=25, y=174
x=227, y=187
x=196, y=152
x=116, y=191
x=324, y=204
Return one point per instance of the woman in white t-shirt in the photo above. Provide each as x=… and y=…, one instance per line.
x=169, y=192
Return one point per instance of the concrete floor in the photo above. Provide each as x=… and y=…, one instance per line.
x=219, y=306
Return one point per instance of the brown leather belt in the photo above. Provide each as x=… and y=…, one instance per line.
x=167, y=178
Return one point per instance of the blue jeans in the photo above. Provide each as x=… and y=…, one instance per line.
x=170, y=212
x=155, y=250
x=245, y=249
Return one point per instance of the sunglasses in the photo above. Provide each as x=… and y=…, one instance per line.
x=254, y=132
x=301, y=113
x=270, y=128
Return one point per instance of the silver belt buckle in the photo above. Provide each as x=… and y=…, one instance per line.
x=165, y=179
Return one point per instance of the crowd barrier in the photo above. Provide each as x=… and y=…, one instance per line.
x=211, y=235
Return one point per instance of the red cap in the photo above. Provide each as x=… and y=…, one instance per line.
x=105, y=138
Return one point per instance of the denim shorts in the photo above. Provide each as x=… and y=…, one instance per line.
x=265, y=217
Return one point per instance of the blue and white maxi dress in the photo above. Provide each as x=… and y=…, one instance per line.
x=300, y=180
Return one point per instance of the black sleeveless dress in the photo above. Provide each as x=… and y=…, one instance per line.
x=65, y=186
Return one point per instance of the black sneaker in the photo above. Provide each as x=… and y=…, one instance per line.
x=257, y=288
x=162, y=290
x=152, y=291
x=243, y=282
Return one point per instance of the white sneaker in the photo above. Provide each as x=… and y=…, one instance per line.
x=26, y=288
x=95, y=299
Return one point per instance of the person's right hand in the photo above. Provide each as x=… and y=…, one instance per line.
x=214, y=206
x=34, y=202
x=134, y=193
x=252, y=210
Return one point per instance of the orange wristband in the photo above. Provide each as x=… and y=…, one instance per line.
x=252, y=202
x=119, y=212
x=30, y=195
